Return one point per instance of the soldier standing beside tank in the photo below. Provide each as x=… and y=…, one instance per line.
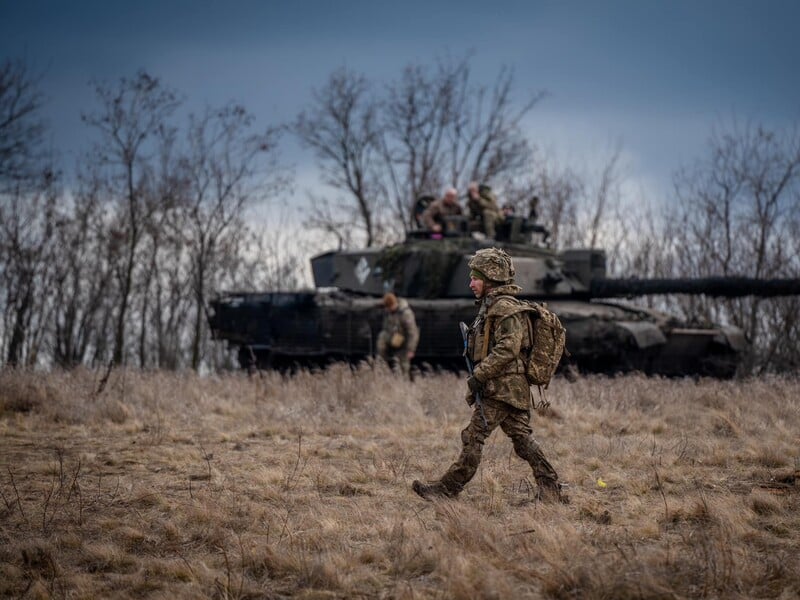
x=447, y=206
x=496, y=341
x=399, y=336
x=483, y=205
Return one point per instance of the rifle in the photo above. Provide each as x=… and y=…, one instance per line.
x=465, y=335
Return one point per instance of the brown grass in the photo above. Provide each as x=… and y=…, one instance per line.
x=172, y=485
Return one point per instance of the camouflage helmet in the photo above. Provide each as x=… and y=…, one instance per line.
x=495, y=264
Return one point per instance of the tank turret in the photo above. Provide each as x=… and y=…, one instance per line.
x=341, y=317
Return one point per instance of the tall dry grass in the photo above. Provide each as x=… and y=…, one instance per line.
x=173, y=485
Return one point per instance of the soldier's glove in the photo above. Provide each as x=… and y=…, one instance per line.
x=475, y=386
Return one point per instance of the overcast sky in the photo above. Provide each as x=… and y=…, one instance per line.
x=653, y=76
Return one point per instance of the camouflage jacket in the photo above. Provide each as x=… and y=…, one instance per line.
x=502, y=369
x=438, y=209
x=484, y=202
x=402, y=321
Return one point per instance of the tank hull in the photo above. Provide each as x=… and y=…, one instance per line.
x=316, y=327
x=340, y=318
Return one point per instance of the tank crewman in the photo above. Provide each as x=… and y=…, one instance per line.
x=533, y=216
x=495, y=345
x=447, y=206
x=483, y=205
x=533, y=209
x=399, y=336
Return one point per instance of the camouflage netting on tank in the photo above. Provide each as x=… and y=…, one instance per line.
x=422, y=269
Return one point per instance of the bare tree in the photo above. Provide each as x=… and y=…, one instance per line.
x=129, y=116
x=122, y=267
x=487, y=134
x=274, y=261
x=443, y=129
x=559, y=192
x=223, y=178
x=28, y=197
x=431, y=128
x=83, y=274
x=161, y=292
x=172, y=301
x=417, y=111
x=644, y=252
x=738, y=215
x=341, y=127
x=27, y=258
x=332, y=217
x=605, y=195
x=21, y=126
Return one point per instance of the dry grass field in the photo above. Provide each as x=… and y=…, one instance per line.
x=164, y=485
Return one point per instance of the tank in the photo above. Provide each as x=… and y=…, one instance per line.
x=340, y=318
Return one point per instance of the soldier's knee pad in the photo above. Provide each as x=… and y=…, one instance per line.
x=469, y=438
x=519, y=442
x=525, y=445
x=465, y=436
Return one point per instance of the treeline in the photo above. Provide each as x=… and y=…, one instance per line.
x=119, y=268
x=118, y=265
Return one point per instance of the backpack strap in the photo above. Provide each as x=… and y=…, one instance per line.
x=487, y=329
x=490, y=318
x=530, y=334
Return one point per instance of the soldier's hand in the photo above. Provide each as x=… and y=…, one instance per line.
x=474, y=385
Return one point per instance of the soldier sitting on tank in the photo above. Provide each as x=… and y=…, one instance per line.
x=533, y=216
x=420, y=205
x=483, y=208
x=510, y=228
x=399, y=336
x=434, y=217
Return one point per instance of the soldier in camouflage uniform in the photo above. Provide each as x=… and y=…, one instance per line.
x=447, y=206
x=495, y=344
x=483, y=207
x=399, y=336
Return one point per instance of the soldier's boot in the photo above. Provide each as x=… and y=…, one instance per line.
x=550, y=491
x=434, y=489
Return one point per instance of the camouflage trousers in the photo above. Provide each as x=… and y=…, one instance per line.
x=491, y=219
x=515, y=423
x=394, y=357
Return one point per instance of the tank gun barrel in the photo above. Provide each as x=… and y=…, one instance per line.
x=727, y=287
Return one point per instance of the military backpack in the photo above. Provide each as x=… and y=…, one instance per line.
x=548, y=341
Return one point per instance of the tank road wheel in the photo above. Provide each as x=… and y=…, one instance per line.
x=720, y=365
